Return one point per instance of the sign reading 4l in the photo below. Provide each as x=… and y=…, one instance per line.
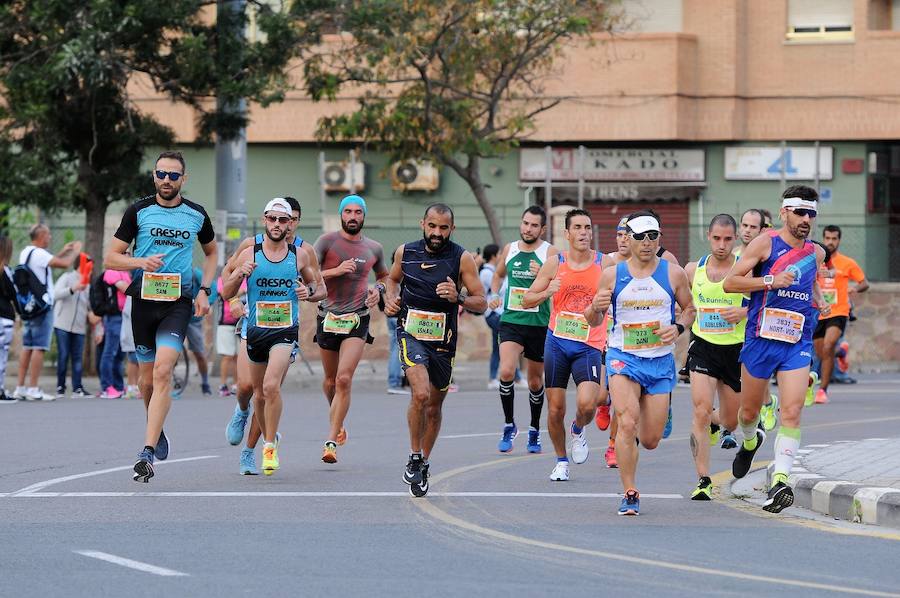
x=767, y=163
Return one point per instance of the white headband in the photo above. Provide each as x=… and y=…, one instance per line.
x=643, y=224
x=796, y=202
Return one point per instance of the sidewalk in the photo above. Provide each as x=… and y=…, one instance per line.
x=856, y=481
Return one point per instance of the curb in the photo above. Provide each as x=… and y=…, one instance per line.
x=840, y=499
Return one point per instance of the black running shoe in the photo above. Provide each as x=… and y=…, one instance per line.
x=143, y=469
x=743, y=460
x=413, y=472
x=779, y=498
x=421, y=489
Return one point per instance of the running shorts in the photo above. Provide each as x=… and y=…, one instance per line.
x=763, y=357
x=260, y=342
x=721, y=362
x=656, y=375
x=331, y=341
x=531, y=338
x=437, y=360
x=564, y=358
x=159, y=323
x=823, y=325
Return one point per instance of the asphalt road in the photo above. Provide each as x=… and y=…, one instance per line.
x=492, y=524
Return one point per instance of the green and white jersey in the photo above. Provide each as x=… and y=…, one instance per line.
x=518, y=280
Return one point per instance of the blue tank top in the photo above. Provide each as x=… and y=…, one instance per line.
x=271, y=300
x=796, y=298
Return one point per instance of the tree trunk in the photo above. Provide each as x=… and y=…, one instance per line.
x=94, y=220
x=471, y=174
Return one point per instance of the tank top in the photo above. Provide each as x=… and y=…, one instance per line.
x=709, y=299
x=576, y=291
x=518, y=280
x=271, y=299
x=640, y=305
x=785, y=315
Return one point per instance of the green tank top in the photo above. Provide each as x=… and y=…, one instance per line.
x=518, y=280
x=709, y=299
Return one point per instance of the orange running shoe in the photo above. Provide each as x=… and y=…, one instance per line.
x=341, y=437
x=843, y=357
x=821, y=396
x=602, y=417
x=611, y=458
x=329, y=453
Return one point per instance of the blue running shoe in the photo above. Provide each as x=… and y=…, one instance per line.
x=506, y=441
x=162, y=446
x=206, y=389
x=534, y=440
x=143, y=469
x=234, y=431
x=667, y=431
x=631, y=503
x=248, y=462
x=728, y=440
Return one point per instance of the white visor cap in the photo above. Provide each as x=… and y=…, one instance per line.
x=278, y=205
x=643, y=224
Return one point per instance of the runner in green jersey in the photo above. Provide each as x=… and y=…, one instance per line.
x=522, y=330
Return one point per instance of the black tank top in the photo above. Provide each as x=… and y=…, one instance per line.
x=422, y=271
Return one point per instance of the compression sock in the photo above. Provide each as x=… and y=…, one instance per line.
x=507, y=397
x=787, y=443
x=749, y=431
x=536, y=402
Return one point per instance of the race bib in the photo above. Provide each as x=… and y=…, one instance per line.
x=639, y=336
x=572, y=326
x=781, y=325
x=426, y=326
x=516, y=294
x=274, y=314
x=340, y=323
x=157, y=286
x=710, y=321
x=830, y=296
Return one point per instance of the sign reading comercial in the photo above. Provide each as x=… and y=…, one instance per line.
x=767, y=163
x=613, y=164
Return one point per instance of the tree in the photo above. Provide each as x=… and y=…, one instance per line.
x=456, y=81
x=71, y=138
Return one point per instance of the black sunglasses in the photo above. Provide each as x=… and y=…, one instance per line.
x=652, y=235
x=173, y=176
x=803, y=212
x=278, y=219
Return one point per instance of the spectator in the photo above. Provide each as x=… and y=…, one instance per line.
x=226, y=342
x=71, y=306
x=126, y=344
x=36, y=337
x=395, y=371
x=490, y=256
x=111, y=380
x=196, y=341
x=7, y=314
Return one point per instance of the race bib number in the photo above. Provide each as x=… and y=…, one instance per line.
x=710, y=321
x=572, y=326
x=156, y=286
x=426, y=326
x=516, y=294
x=340, y=323
x=274, y=314
x=781, y=325
x=830, y=296
x=639, y=336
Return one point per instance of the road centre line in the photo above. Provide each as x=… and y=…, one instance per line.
x=136, y=565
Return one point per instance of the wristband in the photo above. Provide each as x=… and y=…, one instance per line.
x=680, y=328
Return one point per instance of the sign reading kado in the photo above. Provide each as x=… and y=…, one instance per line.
x=613, y=164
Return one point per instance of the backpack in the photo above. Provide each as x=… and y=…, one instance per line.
x=103, y=297
x=31, y=294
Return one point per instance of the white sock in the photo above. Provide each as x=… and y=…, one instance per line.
x=748, y=429
x=787, y=443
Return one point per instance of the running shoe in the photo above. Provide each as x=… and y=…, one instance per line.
x=743, y=460
x=143, y=469
x=341, y=437
x=811, y=389
x=769, y=413
x=36, y=394
x=6, y=399
x=420, y=489
x=667, y=431
x=510, y=431
x=703, y=491
x=19, y=393
x=713, y=434
x=631, y=503
x=206, y=389
x=248, y=462
x=843, y=356
x=779, y=498
x=821, y=397
x=610, y=456
x=111, y=393
x=234, y=431
x=534, y=440
x=224, y=391
x=162, y=446
x=60, y=392
x=397, y=390
x=580, y=448
x=728, y=440
x=80, y=393
x=493, y=384
x=413, y=472
x=560, y=472
x=601, y=418
x=329, y=452
x=270, y=459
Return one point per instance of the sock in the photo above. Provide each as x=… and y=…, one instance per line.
x=536, y=402
x=779, y=477
x=507, y=397
x=749, y=431
x=612, y=443
x=713, y=428
x=269, y=445
x=575, y=429
x=787, y=443
x=152, y=449
x=206, y=379
x=243, y=411
x=562, y=459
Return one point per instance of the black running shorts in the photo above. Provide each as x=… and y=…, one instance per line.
x=721, y=362
x=437, y=361
x=159, y=323
x=332, y=342
x=261, y=340
x=823, y=325
x=530, y=337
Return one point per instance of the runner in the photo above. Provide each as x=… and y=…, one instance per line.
x=270, y=327
x=342, y=326
x=753, y=222
x=643, y=292
x=522, y=330
x=428, y=273
x=836, y=289
x=576, y=337
x=717, y=336
x=778, y=339
x=163, y=229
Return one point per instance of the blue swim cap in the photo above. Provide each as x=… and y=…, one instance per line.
x=351, y=200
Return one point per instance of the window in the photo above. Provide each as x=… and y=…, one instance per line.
x=653, y=16
x=820, y=20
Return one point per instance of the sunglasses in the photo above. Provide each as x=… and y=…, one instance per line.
x=652, y=235
x=803, y=212
x=278, y=219
x=173, y=176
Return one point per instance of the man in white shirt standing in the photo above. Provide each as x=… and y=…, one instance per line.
x=37, y=331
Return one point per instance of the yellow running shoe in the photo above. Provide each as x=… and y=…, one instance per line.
x=713, y=435
x=270, y=460
x=329, y=453
x=769, y=413
x=811, y=389
x=703, y=491
x=341, y=437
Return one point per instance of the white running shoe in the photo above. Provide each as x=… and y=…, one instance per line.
x=19, y=392
x=493, y=384
x=36, y=394
x=560, y=473
x=580, y=448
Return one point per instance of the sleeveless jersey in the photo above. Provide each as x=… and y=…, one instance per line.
x=518, y=280
x=271, y=299
x=640, y=305
x=785, y=315
x=709, y=298
x=422, y=271
x=576, y=291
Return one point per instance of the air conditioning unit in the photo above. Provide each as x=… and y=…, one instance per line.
x=336, y=176
x=414, y=175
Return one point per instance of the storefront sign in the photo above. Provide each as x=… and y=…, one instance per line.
x=767, y=163
x=613, y=164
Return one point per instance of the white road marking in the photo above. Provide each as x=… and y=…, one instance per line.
x=482, y=434
x=361, y=494
x=136, y=565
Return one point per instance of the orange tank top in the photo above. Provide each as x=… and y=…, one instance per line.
x=576, y=291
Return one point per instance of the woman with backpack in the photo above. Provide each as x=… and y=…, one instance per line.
x=71, y=309
x=7, y=314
